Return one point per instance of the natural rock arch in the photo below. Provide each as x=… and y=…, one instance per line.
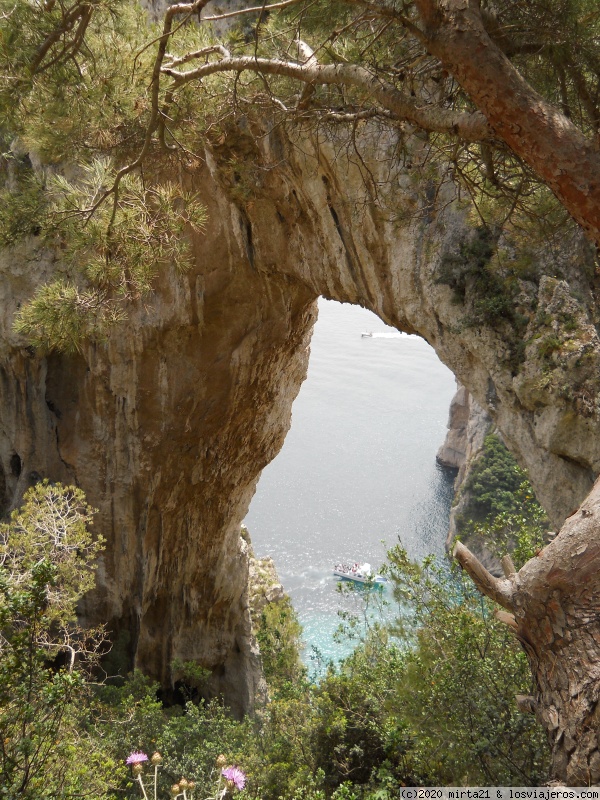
x=167, y=425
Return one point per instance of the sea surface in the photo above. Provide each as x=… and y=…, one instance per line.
x=357, y=473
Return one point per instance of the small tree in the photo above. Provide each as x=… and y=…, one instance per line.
x=47, y=557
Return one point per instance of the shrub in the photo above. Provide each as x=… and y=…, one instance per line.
x=457, y=688
x=47, y=559
x=493, y=482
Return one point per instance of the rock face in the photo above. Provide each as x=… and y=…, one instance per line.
x=264, y=586
x=468, y=425
x=162, y=426
x=168, y=424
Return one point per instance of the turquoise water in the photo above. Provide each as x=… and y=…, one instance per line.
x=357, y=472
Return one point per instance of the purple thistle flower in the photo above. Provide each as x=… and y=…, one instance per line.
x=136, y=757
x=235, y=775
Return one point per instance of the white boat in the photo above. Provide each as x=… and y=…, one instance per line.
x=366, y=333
x=360, y=573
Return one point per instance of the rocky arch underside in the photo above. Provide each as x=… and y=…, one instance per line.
x=168, y=424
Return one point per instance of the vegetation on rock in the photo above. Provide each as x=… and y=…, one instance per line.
x=496, y=485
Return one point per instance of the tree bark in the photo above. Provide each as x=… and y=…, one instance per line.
x=555, y=601
x=555, y=149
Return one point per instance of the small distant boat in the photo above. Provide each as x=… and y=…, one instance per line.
x=360, y=573
x=367, y=333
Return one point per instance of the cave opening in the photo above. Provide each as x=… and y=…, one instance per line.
x=16, y=465
x=357, y=471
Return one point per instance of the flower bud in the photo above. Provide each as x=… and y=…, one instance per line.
x=137, y=769
x=221, y=761
x=175, y=790
x=156, y=759
x=183, y=784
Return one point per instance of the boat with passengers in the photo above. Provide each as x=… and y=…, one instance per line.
x=360, y=573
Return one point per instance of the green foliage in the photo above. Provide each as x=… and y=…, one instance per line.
x=501, y=518
x=401, y=710
x=278, y=635
x=190, y=738
x=61, y=317
x=521, y=533
x=493, y=482
x=190, y=676
x=21, y=211
x=459, y=681
x=110, y=233
x=429, y=702
x=470, y=263
x=549, y=345
x=501, y=514
x=284, y=762
x=359, y=735
x=110, y=257
x=470, y=273
x=71, y=103
x=46, y=564
x=51, y=528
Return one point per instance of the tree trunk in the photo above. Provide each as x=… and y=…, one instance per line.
x=555, y=149
x=555, y=602
x=554, y=599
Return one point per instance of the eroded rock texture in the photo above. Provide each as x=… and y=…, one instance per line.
x=468, y=425
x=167, y=425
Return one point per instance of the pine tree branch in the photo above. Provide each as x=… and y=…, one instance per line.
x=557, y=151
x=81, y=11
x=254, y=10
x=470, y=126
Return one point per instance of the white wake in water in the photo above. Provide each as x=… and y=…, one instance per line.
x=390, y=335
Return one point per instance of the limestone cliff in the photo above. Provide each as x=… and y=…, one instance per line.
x=168, y=423
x=166, y=427
x=468, y=425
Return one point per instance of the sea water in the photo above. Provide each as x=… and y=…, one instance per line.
x=357, y=472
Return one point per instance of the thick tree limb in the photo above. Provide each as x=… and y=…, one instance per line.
x=508, y=566
x=555, y=600
x=557, y=151
x=526, y=703
x=498, y=589
x=507, y=619
x=469, y=126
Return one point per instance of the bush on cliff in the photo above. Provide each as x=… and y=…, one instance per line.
x=47, y=557
x=492, y=482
